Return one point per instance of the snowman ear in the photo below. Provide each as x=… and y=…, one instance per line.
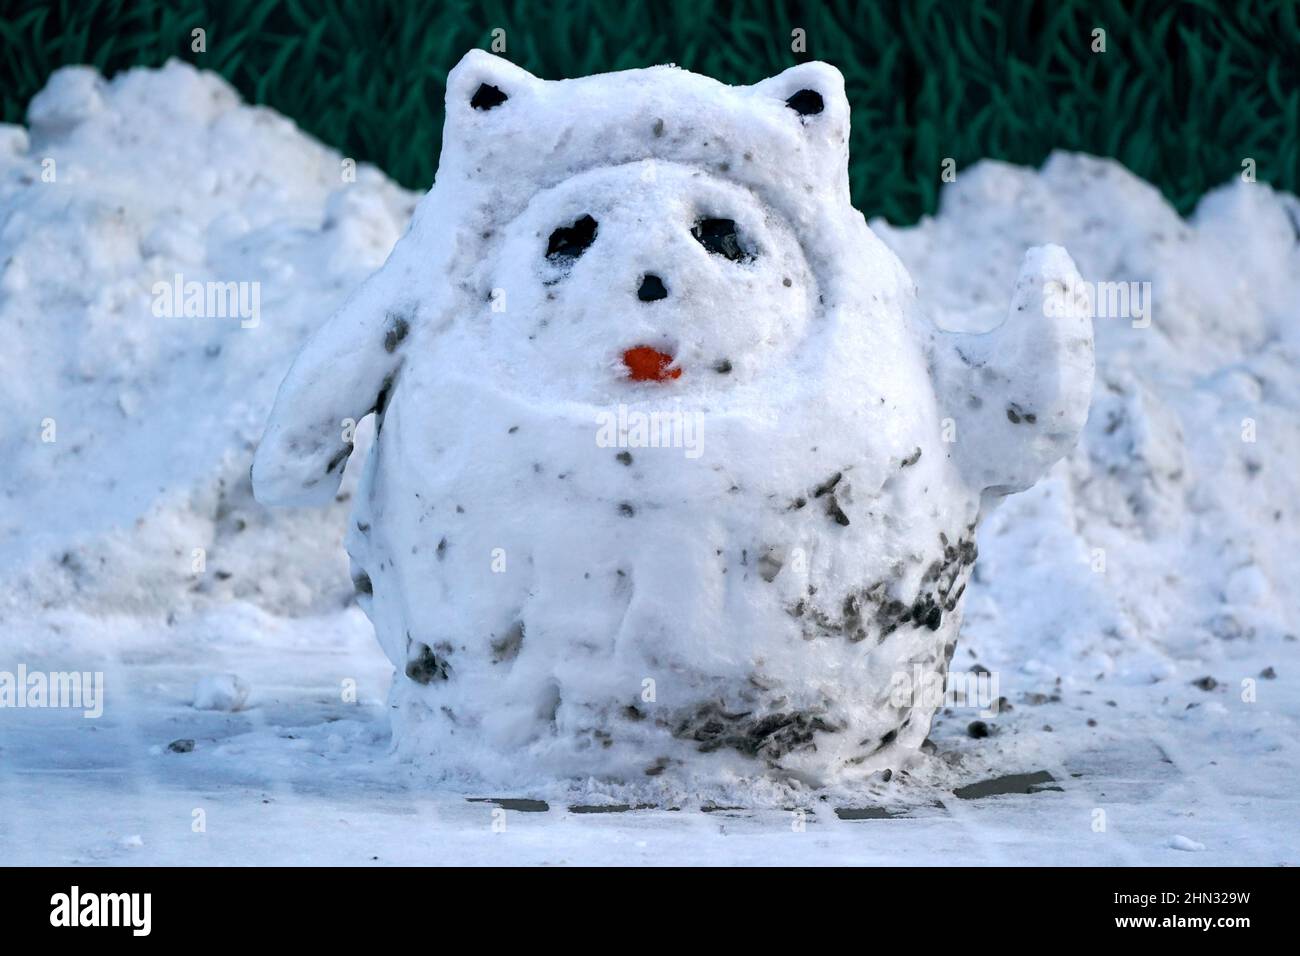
x=345, y=371
x=1018, y=396
x=812, y=91
x=482, y=82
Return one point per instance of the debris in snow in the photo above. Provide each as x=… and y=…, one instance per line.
x=1180, y=842
x=1037, y=782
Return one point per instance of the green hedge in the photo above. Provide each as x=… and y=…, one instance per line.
x=1185, y=91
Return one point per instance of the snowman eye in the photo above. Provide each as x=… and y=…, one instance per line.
x=487, y=97
x=569, y=242
x=719, y=237
x=806, y=103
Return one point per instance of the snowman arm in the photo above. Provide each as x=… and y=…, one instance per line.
x=344, y=371
x=1017, y=397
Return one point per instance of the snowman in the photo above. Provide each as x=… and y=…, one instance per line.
x=672, y=479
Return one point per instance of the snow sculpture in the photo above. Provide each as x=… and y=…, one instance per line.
x=671, y=478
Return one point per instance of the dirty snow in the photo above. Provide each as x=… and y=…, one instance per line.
x=1136, y=606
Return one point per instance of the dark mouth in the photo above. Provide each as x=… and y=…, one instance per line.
x=646, y=364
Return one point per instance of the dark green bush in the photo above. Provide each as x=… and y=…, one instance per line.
x=1185, y=91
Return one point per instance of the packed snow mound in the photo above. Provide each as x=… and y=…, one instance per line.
x=132, y=405
x=1158, y=554
x=220, y=692
x=565, y=598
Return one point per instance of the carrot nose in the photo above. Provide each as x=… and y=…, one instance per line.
x=645, y=364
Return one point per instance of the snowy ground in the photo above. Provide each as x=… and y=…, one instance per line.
x=1161, y=553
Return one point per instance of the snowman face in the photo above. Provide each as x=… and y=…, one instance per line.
x=647, y=276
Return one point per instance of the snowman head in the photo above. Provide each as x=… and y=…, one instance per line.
x=646, y=234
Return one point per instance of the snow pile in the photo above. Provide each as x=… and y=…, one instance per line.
x=1157, y=555
x=130, y=422
x=1180, y=500
x=1161, y=554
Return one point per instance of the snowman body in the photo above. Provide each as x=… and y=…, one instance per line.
x=671, y=478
